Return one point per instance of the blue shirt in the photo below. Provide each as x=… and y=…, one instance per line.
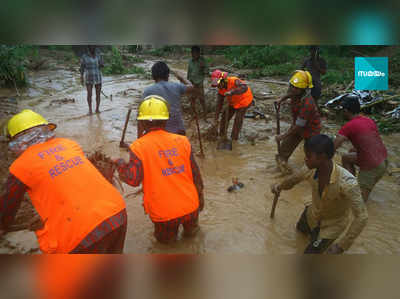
x=171, y=92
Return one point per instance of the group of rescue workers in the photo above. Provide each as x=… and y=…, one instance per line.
x=90, y=216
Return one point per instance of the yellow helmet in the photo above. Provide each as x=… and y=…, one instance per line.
x=301, y=79
x=153, y=108
x=25, y=120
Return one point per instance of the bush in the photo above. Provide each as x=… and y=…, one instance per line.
x=265, y=56
x=344, y=76
x=114, y=65
x=284, y=69
x=170, y=50
x=136, y=70
x=135, y=59
x=13, y=61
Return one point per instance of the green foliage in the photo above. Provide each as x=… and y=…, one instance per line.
x=59, y=48
x=169, y=50
x=343, y=76
x=134, y=48
x=283, y=60
x=284, y=69
x=394, y=69
x=114, y=64
x=13, y=61
x=134, y=59
x=136, y=70
x=70, y=57
x=265, y=56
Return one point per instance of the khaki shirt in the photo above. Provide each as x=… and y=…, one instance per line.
x=332, y=210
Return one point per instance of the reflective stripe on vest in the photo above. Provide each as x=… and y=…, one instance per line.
x=169, y=191
x=67, y=190
x=237, y=101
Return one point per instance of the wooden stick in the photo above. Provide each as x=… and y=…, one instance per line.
x=16, y=89
x=278, y=132
x=122, y=143
x=198, y=127
x=276, y=197
x=278, y=125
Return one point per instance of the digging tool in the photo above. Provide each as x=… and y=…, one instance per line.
x=275, y=201
x=278, y=132
x=122, y=143
x=225, y=143
x=198, y=127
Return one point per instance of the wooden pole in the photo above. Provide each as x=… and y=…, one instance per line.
x=278, y=125
x=122, y=143
x=198, y=127
x=276, y=197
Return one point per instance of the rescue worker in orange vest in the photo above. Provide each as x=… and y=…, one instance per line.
x=239, y=97
x=164, y=163
x=80, y=211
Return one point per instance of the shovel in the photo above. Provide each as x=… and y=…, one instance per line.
x=224, y=142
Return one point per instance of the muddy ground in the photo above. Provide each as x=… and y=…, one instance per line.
x=236, y=222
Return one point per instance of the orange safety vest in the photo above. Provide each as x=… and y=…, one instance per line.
x=67, y=191
x=169, y=191
x=240, y=100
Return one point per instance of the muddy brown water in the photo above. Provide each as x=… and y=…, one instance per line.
x=236, y=222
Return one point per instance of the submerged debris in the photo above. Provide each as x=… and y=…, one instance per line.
x=62, y=101
x=236, y=185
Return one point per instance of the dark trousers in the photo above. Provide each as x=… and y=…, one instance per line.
x=167, y=231
x=288, y=145
x=316, y=245
x=112, y=242
x=237, y=124
x=200, y=96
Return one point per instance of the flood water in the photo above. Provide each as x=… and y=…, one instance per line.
x=236, y=222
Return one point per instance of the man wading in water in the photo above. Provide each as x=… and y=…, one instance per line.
x=335, y=193
x=306, y=119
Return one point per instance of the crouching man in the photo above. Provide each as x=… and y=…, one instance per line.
x=335, y=193
x=80, y=211
x=164, y=163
